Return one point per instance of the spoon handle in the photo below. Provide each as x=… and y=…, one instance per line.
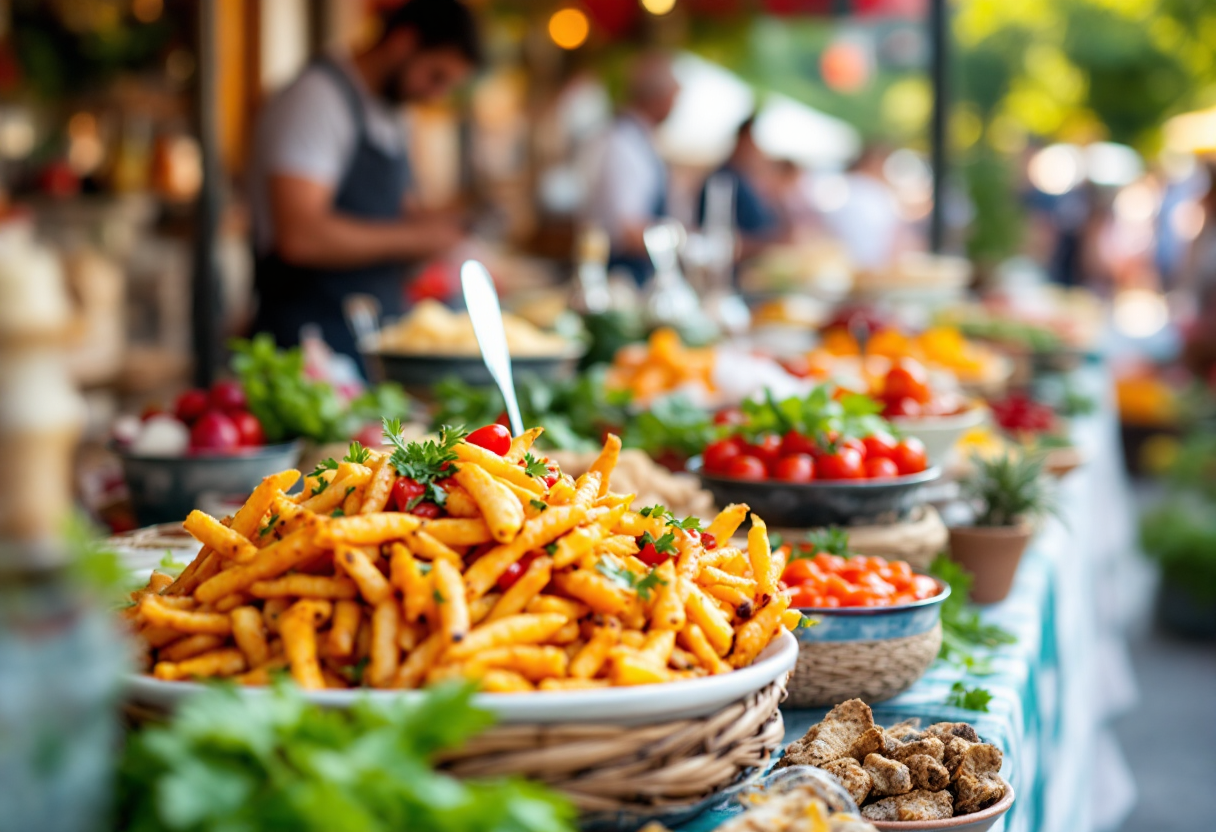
x=481, y=298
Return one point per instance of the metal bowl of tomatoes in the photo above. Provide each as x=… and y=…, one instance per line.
x=805, y=505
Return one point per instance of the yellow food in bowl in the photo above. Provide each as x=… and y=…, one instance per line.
x=433, y=329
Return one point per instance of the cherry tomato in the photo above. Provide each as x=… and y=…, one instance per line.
x=494, y=438
x=795, y=468
x=845, y=464
x=515, y=571
x=767, y=449
x=228, y=395
x=650, y=556
x=830, y=438
x=804, y=597
x=829, y=563
x=427, y=511
x=801, y=571
x=904, y=406
x=708, y=541
x=923, y=586
x=795, y=443
x=747, y=467
x=404, y=490
x=248, y=426
x=856, y=444
x=718, y=455
x=881, y=468
x=729, y=416
x=907, y=379
x=909, y=456
x=879, y=445
x=191, y=405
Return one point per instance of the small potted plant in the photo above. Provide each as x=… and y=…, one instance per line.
x=1008, y=493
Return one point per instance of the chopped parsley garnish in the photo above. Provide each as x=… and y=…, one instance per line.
x=539, y=505
x=622, y=576
x=665, y=545
x=338, y=512
x=169, y=564
x=971, y=699
x=357, y=453
x=274, y=518
x=534, y=467
x=324, y=465
x=425, y=462
x=438, y=596
x=551, y=548
x=688, y=524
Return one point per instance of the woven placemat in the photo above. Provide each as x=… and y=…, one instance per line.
x=830, y=672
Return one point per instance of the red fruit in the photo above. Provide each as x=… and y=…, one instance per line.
x=906, y=407
x=504, y=420
x=214, y=432
x=856, y=444
x=190, y=405
x=228, y=395
x=747, y=467
x=718, y=455
x=404, y=490
x=651, y=556
x=427, y=511
x=795, y=468
x=910, y=457
x=795, y=443
x=729, y=416
x=515, y=571
x=881, y=468
x=494, y=438
x=249, y=428
x=879, y=445
x=767, y=449
x=708, y=541
x=907, y=379
x=845, y=464
x=829, y=439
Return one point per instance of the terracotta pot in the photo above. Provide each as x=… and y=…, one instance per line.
x=992, y=555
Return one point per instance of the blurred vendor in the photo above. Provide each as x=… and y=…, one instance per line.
x=629, y=191
x=754, y=177
x=331, y=180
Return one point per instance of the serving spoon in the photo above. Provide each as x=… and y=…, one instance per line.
x=481, y=298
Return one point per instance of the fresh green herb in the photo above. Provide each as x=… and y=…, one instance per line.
x=665, y=545
x=319, y=487
x=169, y=565
x=832, y=541
x=357, y=453
x=655, y=510
x=971, y=699
x=651, y=582
x=424, y=568
x=806, y=621
x=688, y=524
x=354, y=672
x=534, y=467
x=539, y=505
x=350, y=489
x=338, y=512
x=291, y=405
x=1008, y=489
x=324, y=465
x=94, y=567
x=425, y=462
x=819, y=415
x=438, y=596
x=551, y=548
x=274, y=518
x=231, y=762
x=962, y=630
x=673, y=427
x=776, y=540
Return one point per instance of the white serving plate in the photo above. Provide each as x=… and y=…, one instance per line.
x=641, y=705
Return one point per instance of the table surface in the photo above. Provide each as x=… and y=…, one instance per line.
x=1042, y=714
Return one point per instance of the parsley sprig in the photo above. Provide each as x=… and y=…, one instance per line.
x=688, y=524
x=324, y=465
x=534, y=467
x=642, y=586
x=664, y=545
x=424, y=462
x=832, y=541
x=357, y=453
x=972, y=699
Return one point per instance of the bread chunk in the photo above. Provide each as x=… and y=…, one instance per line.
x=929, y=747
x=917, y=805
x=979, y=758
x=868, y=743
x=945, y=730
x=832, y=738
x=905, y=731
x=927, y=773
x=888, y=776
x=974, y=792
x=952, y=755
x=855, y=779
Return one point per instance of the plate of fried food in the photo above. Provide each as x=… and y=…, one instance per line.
x=433, y=343
x=469, y=557
x=905, y=778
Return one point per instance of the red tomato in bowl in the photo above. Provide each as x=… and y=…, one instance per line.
x=910, y=457
x=494, y=438
x=214, y=432
x=845, y=464
x=857, y=445
x=794, y=468
x=249, y=428
x=881, y=468
x=747, y=467
x=718, y=455
x=767, y=449
x=228, y=395
x=405, y=490
x=795, y=443
x=879, y=445
x=905, y=406
x=190, y=406
x=907, y=379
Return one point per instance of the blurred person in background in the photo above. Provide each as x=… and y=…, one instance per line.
x=629, y=187
x=867, y=219
x=330, y=179
x=755, y=179
x=1199, y=279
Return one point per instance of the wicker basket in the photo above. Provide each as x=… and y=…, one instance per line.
x=829, y=672
x=635, y=772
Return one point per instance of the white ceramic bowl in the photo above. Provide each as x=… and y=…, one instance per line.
x=641, y=705
x=941, y=433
